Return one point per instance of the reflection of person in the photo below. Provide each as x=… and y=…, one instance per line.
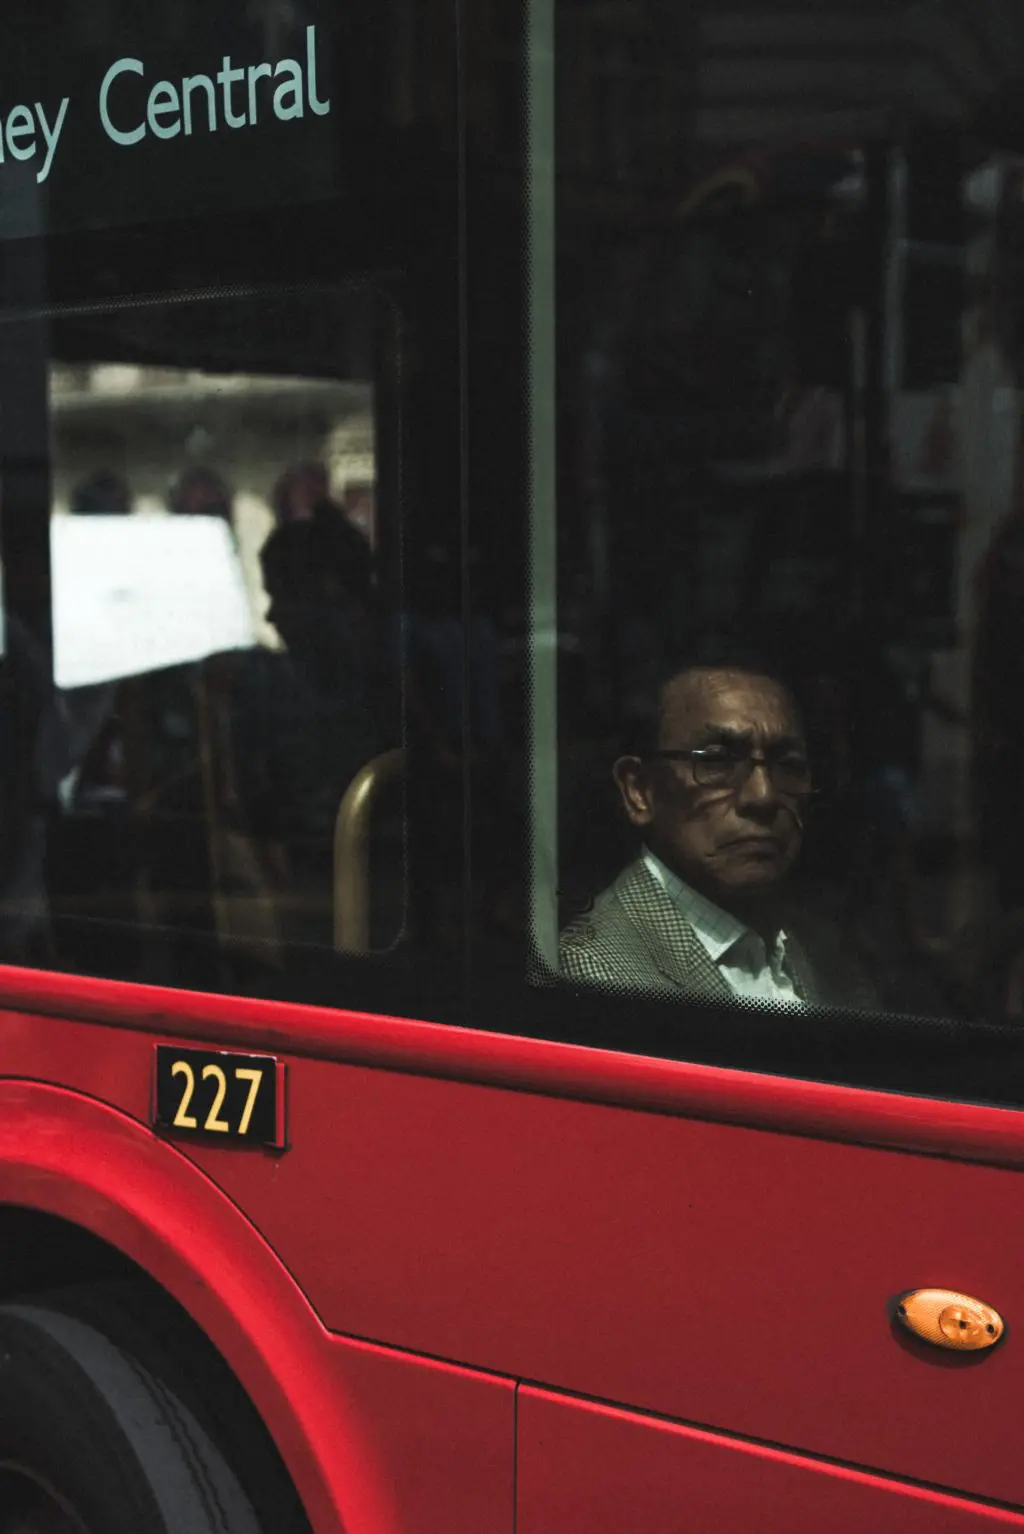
x=297, y=491
x=201, y=492
x=717, y=784
x=102, y=492
x=303, y=718
x=350, y=550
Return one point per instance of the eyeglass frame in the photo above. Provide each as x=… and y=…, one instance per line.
x=748, y=759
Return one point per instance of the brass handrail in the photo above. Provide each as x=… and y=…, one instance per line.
x=730, y=178
x=352, y=850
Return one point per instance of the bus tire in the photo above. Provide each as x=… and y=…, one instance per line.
x=86, y=1428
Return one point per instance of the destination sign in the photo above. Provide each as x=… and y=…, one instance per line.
x=227, y=114
x=232, y=97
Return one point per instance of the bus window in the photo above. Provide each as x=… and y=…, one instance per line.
x=231, y=685
x=774, y=542
x=225, y=644
x=226, y=638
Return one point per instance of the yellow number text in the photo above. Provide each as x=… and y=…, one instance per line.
x=218, y=1125
x=183, y=1119
x=255, y=1080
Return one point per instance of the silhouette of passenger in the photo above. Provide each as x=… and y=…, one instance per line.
x=102, y=493
x=297, y=492
x=201, y=492
x=351, y=553
x=303, y=718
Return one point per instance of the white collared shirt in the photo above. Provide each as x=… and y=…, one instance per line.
x=740, y=955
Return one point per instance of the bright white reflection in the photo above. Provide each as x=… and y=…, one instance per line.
x=136, y=594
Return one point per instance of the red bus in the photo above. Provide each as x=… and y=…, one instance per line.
x=511, y=970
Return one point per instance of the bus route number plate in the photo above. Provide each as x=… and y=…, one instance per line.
x=219, y=1095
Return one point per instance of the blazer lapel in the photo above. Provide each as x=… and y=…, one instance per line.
x=673, y=946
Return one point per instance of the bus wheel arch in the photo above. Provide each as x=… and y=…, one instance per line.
x=61, y=1270
x=92, y=1438
x=97, y=1202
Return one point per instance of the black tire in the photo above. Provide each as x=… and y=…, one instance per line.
x=141, y=1319
x=104, y=1444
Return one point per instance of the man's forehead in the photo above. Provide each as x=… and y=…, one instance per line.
x=729, y=698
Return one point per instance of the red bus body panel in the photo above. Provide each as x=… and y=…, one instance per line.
x=502, y=1211
x=360, y=1463
x=603, y=1470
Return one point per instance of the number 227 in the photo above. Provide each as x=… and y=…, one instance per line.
x=214, y=1123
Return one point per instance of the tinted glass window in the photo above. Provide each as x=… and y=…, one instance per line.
x=783, y=413
x=232, y=684
x=537, y=550
x=226, y=634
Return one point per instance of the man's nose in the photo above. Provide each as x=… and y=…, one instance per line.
x=758, y=794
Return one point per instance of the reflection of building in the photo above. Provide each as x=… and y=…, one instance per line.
x=148, y=424
x=349, y=454
x=626, y=84
x=844, y=70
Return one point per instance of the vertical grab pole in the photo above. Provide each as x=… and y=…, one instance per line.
x=542, y=554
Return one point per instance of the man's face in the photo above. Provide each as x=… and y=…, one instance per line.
x=731, y=843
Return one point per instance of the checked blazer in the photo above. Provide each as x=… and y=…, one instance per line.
x=634, y=938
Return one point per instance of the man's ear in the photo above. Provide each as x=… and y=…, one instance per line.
x=631, y=781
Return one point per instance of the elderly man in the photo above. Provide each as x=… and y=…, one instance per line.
x=717, y=786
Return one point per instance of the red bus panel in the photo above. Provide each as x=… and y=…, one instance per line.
x=589, y=1469
x=737, y=1277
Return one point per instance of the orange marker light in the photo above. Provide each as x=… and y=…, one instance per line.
x=950, y=1319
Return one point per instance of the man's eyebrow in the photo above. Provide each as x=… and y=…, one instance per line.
x=723, y=734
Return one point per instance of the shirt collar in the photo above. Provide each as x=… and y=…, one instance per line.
x=717, y=930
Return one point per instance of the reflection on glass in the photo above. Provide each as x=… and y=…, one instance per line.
x=789, y=417
x=225, y=653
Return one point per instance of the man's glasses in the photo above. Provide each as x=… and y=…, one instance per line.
x=730, y=767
